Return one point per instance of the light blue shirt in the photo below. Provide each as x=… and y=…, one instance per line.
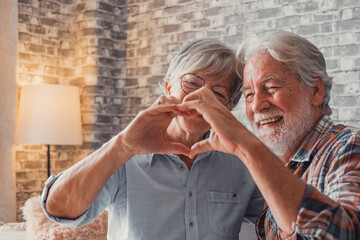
x=157, y=197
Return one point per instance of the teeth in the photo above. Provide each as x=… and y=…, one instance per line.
x=270, y=120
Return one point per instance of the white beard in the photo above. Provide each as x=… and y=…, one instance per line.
x=285, y=138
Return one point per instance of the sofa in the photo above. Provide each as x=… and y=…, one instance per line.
x=38, y=227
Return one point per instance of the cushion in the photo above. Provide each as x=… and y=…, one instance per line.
x=38, y=226
x=13, y=231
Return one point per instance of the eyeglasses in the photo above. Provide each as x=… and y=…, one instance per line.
x=191, y=82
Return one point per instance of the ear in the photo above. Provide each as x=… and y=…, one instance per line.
x=167, y=86
x=318, y=92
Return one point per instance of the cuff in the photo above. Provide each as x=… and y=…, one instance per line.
x=63, y=221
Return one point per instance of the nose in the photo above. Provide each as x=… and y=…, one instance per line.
x=260, y=102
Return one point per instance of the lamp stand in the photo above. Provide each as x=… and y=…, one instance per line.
x=48, y=160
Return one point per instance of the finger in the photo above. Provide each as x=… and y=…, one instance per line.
x=162, y=108
x=200, y=147
x=202, y=94
x=163, y=100
x=188, y=105
x=173, y=100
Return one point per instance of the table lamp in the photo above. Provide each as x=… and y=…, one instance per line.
x=49, y=114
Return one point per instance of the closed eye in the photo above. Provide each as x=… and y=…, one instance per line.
x=272, y=89
x=192, y=84
x=249, y=96
x=219, y=95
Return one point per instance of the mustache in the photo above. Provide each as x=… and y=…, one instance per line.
x=267, y=113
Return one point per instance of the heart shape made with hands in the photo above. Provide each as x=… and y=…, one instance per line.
x=148, y=132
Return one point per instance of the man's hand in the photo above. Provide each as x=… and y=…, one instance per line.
x=226, y=130
x=147, y=132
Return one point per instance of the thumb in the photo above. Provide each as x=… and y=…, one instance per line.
x=200, y=147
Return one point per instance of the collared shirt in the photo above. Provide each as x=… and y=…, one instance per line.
x=157, y=197
x=328, y=161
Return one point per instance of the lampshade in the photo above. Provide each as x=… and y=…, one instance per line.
x=49, y=114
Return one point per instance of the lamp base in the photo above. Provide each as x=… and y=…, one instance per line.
x=48, y=160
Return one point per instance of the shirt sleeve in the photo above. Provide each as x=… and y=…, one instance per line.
x=255, y=207
x=107, y=195
x=334, y=211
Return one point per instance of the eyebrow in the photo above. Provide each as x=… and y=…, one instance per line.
x=266, y=79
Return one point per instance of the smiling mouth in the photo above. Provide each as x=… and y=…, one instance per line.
x=270, y=120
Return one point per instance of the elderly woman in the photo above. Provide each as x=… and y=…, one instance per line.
x=143, y=175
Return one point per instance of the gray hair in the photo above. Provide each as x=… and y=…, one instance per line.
x=209, y=56
x=298, y=55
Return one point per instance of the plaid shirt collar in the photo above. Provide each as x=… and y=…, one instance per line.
x=307, y=149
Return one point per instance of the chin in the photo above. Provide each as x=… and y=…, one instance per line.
x=195, y=125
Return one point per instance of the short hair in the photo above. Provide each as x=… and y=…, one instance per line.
x=210, y=56
x=297, y=54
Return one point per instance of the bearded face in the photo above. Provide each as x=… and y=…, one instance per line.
x=292, y=127
x=279, y=108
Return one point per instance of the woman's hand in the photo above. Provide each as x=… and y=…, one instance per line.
x=147, y=132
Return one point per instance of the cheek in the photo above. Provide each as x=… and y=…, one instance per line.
x=177, y=92
x=249, y=112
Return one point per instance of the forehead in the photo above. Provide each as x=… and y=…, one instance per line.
x=260, y=66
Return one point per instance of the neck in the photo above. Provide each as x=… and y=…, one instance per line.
x=177, y=134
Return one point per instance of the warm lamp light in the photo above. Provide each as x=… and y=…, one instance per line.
x=49, y=114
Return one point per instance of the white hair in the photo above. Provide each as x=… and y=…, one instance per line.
x=209, y=56
x=298, y=55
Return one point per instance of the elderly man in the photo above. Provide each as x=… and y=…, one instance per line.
x=306, y=167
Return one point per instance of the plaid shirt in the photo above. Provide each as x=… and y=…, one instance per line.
x=328, y=161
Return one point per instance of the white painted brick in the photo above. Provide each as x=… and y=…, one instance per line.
x=217, y=22
x=214, y=3
x=120, y=83
x=347, y=14
x=143, y=43
x=347, y=63
x=91, y=5
x=199, y=15
x=232, y=30
x=34, y=20
x=267, y=3
x=306, y=19
x=157, y=50
x=288, y=10
x=171, y=2
x=345, y=76
x=186, y=26
x=346, y=38
x=88, y=118
x=326, y=5
x=92, y=23
x=352, y=88
x=200, y=34
x=91, y=80
x=346, y=114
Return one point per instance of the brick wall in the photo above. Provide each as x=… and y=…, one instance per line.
x=116, y=51
x=157, y=29
x=79, y=43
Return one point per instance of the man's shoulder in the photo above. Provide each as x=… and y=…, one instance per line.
x=342, y=139
x=345, y=133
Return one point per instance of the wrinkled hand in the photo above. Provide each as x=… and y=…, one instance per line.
x=226, y=131
x=147, y=132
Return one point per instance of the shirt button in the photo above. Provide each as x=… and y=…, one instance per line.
x=190, y=194
x=191, y=224
x=182, y=167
